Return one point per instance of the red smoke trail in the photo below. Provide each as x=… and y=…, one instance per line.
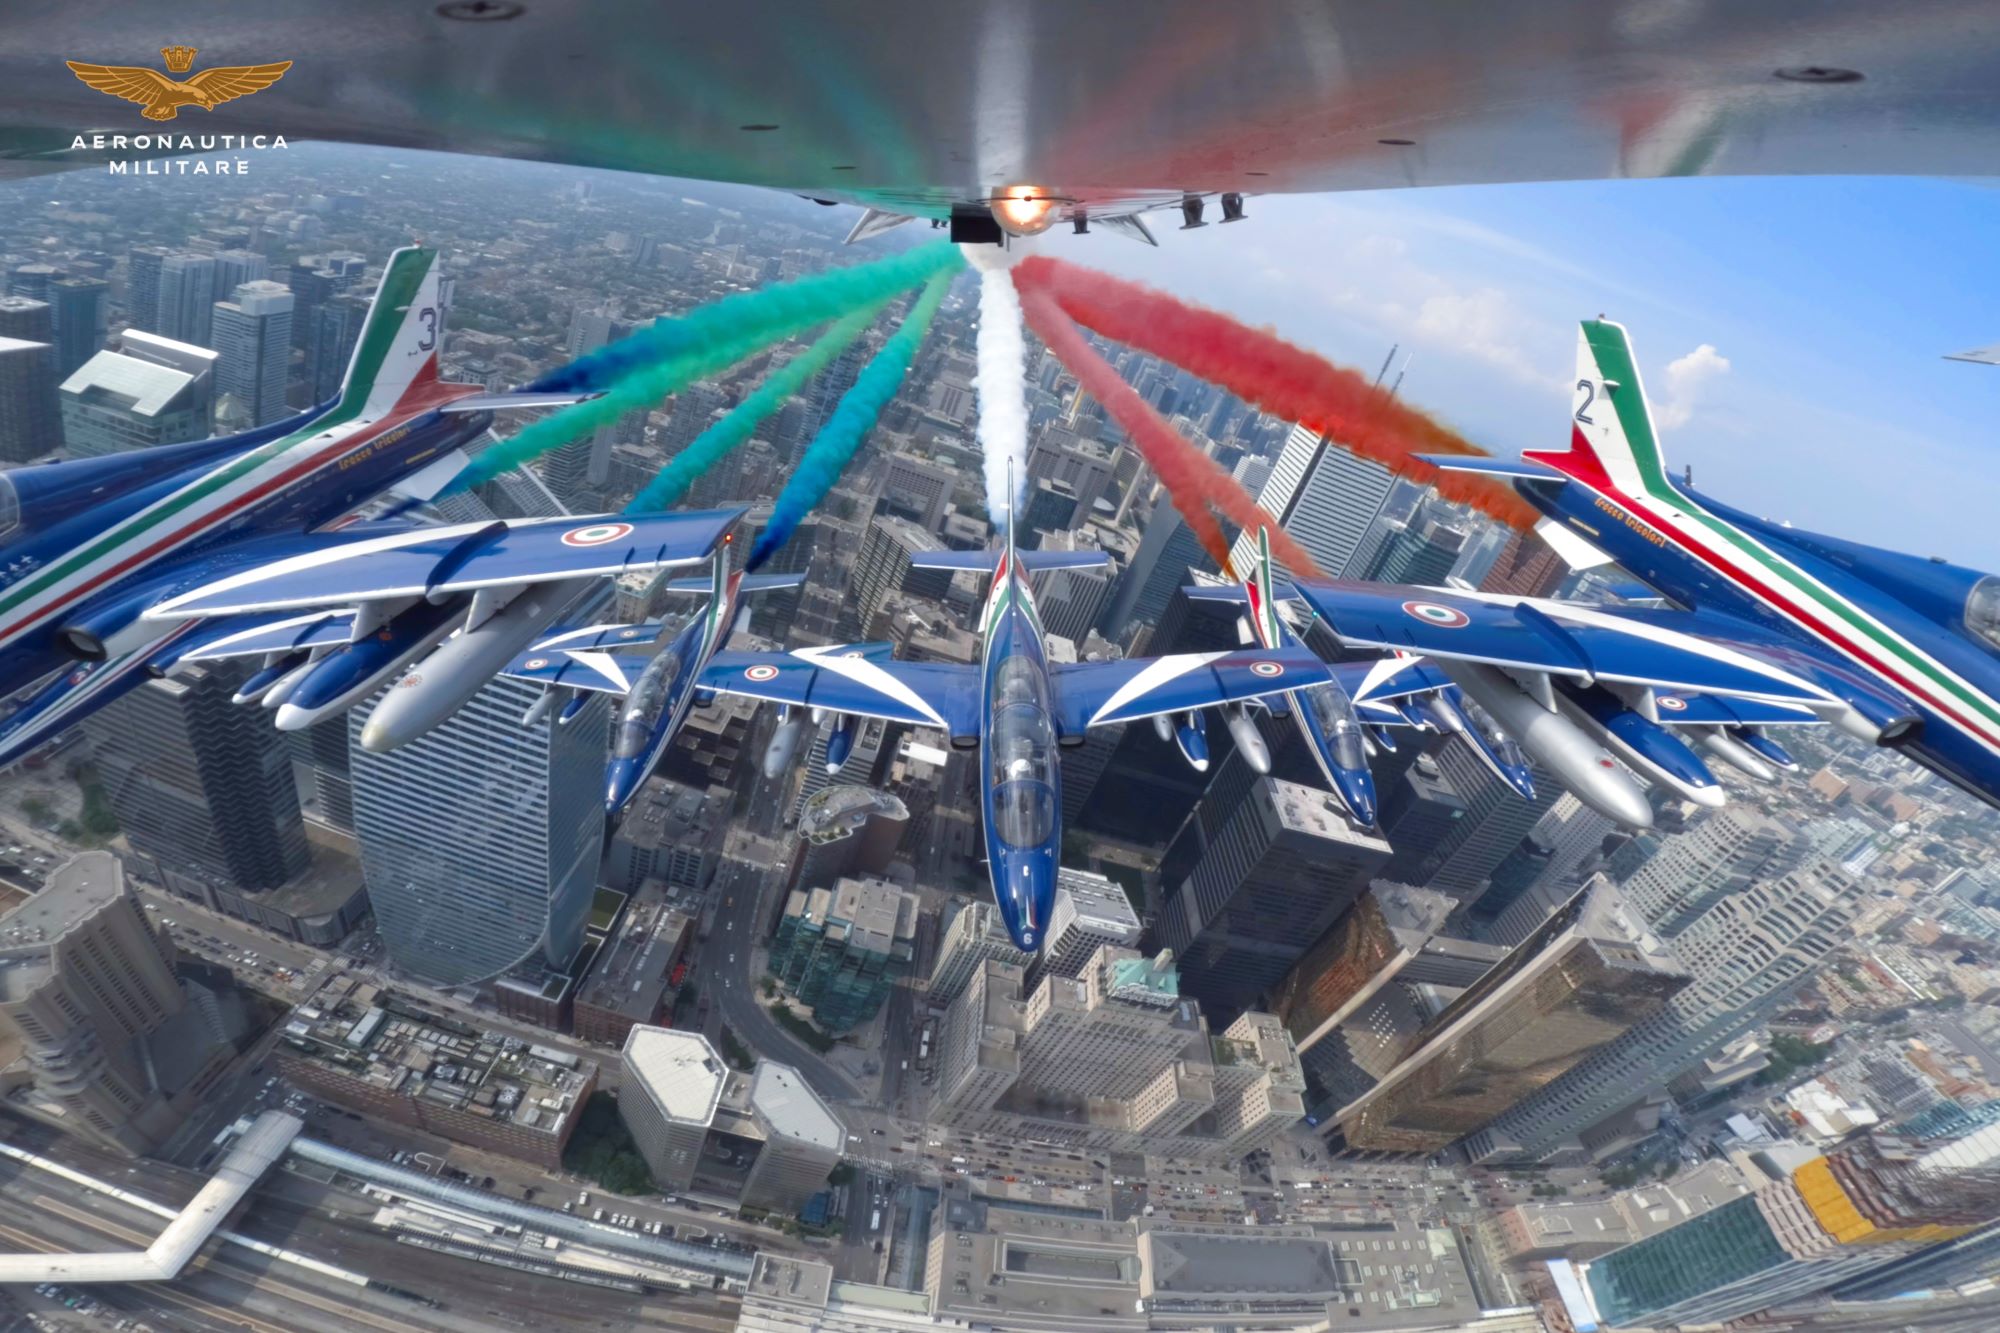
x=1191, y=477
x=1272, y=374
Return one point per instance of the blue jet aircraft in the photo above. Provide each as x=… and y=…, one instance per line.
x=114, y=570
x=1764, y=625
x=1016, y=706
x=660, y=695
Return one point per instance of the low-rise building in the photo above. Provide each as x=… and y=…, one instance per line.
x=371, y=1049
x=634, y=977
x=838, y=951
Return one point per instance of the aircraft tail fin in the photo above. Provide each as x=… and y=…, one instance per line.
x=1261, y=590
x=400, y=338
x=1613, y=445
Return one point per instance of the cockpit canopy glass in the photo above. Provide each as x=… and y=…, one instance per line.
x=1334, y=713
x=1021, y=753
x=643, y=704
x=1982, y=612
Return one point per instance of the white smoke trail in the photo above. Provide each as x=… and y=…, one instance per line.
x=999, y=384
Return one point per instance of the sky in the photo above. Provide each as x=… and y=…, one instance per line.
x=1791, y=332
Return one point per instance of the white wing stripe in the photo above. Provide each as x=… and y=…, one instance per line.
x=1149, y=678
x=605, y=665
x=869, y=675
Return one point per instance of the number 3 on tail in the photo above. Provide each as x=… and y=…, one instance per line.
x=428, y=316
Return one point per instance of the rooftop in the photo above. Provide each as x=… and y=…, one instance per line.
x=1100, y=903
x=367, y=1032
x=680, y=1070
x=75, y=889
x=141, y=387
x=791, y=1109
x=632, y=967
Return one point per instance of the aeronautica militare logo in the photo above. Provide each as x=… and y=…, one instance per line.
x=162, y=99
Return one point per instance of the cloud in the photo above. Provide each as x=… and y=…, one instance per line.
x=1685, y=377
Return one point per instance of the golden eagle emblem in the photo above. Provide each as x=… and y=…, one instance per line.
x=164, y=97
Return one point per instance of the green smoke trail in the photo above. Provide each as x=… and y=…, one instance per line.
x=772, y=313
x=715, y=443
x=637, y=389
x=835, y=445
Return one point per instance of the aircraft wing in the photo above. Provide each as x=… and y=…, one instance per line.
x=985, y=562
x=1097, y=694
x=1709, y=710
x=1374, y=687
x=1674, y=650
x=1261, y=96
x=576, y=669
x=846, y=678
x=363, y=563
x=258, y=635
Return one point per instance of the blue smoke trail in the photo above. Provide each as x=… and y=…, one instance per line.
x=837, y=442
x=715, y=443
x=767, y=315
x=639, y=388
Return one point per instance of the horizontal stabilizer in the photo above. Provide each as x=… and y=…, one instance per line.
x=1504, y=468
x=1032, y=561
x=751, y=583
x=519, y=398
x=1576, y=551
x=429, y=480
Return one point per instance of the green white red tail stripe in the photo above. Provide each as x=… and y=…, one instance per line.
x=392, y=377
x=1615, y=452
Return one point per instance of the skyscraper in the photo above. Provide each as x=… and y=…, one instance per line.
x=1863, y=1208
x=1588, y=975
x=883, y=567
x=1090, y=912
x=1527, y=566
x=27, y=318
x=336, y=328
x=1419, y=550
x=1114, y=1059
x=1466, y=850
x=1324, y=496
x=1745, y=954
x=1259, y=870
x=32, y=280
x=30, y=418
x=1159, y=568
x=142, y=287
x=200, y=785
x=974, y=937
x=1392, y=935
x=88, y=992
x=671, y=1090
x=80, y=313
x=1717, y=856
x=253, y=333
x=802, y=1140
x=155, y=391
x=480, y=839
x=233, y=268
x=186, y=298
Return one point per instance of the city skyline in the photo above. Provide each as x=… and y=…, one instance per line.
x=1232, y=976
